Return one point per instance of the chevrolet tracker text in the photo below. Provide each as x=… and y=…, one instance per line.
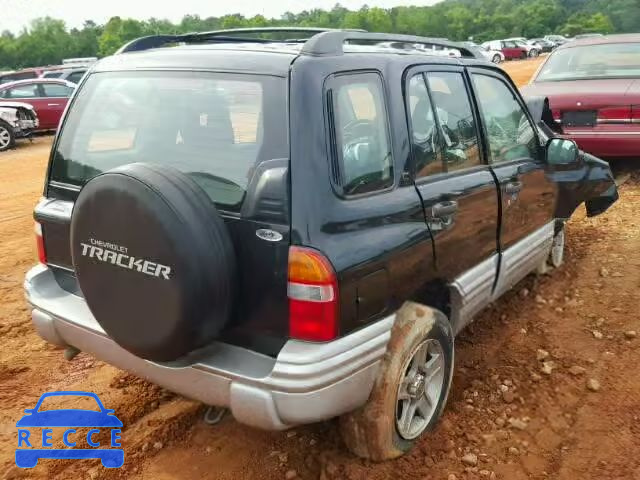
x=126, y=261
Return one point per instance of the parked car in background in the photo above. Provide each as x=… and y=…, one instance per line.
x=49, y=97
x=495, y=56
x=510, y=49
x=593, y=87
x=20, y=75
x=587, y=35
x=73, y=75
x=557, y=39
x=545, y=46
x=532, y=50
x=17, y=120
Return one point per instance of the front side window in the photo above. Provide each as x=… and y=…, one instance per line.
x=23, y=91
x=511, y=136
x=215, y=127
x=455, y=119
x=56, y=90
x=361, y=134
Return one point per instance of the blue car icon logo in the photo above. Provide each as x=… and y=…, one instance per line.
x=32, y=447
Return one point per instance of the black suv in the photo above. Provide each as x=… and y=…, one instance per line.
x=296, y=229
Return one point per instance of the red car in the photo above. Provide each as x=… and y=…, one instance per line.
x=48, y=97
x=593, y=86
x=509, y=48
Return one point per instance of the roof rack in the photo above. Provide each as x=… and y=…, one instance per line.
x=323, y=42
x=332, y=42
x=236, y=35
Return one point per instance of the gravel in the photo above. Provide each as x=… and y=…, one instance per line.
x=470, y=459
x=593, y=385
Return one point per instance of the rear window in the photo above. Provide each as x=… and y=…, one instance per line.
x=613, y=60
x=215, y=127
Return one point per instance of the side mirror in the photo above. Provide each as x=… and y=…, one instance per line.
x=562, y=152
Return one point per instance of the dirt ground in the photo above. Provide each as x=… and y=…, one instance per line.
x=520, y=399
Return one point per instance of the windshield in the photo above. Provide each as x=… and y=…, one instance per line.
x=614, y=60
x=215, y=127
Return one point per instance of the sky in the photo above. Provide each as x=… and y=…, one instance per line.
x=16, y=14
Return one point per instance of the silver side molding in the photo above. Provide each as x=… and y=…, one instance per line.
x=473, y=290
x=522, y=258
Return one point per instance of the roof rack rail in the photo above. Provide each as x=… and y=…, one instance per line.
x=236, y=35
x=332, y=42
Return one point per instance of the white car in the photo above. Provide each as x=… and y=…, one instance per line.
x=495, y=56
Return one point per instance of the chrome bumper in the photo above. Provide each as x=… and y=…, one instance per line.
x=306, y=383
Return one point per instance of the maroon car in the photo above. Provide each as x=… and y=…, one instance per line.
x=593, y=86
x=49, y=97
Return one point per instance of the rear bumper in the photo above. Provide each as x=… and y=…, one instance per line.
x=607, y=144
x=306, y=383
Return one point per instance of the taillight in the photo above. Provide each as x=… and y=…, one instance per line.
x=615, y=115
x=557, y=115
x=313, y=296
x=635, y=113
x=42, y=255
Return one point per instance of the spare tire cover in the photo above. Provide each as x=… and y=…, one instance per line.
x=154, y=260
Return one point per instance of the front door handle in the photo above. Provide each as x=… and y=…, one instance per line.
x=513, y=187
x=53, y=104
x=444, y=209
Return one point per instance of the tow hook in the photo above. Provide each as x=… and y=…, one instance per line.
x=70, y=353
x=213, y=415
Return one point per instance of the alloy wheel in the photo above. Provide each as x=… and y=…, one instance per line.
x=5, y=137
x=420, y=389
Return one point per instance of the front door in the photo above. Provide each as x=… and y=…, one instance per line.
x=517, y=158
x=54, y=100
x=511, y=50
x=458, y=191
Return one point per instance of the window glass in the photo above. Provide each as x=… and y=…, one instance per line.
x=52, y=74
x=455, y=117
x=23, y=91
x=75, y=77
x=511, y=135
x=56, y=90
x=424, y=134
x=362, y=145
x=218, y=128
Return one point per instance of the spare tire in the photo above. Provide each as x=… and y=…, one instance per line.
x=153, y=259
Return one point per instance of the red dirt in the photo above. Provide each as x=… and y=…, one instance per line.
x=568, y=433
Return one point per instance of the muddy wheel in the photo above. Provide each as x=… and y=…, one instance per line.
x=7, y=139
x=411, y=388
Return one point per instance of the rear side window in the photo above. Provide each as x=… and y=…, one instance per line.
x=424, y=132
x=455, y=119
x=360, y=133
x=23, y=91
x=56, y=90
x=215, y=127
x=75, y=77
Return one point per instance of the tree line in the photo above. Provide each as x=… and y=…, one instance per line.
x=47, y=41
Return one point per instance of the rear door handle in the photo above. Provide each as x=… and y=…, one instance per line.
x=444, y=209
x=53, y=104
x=513, y=187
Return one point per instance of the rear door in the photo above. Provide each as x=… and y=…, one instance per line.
x=457, y=188
x=518, y=160
x=54, y=100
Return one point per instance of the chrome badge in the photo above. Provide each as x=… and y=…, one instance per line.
x=268, y=235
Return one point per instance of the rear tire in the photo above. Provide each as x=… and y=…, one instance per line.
x=496, y=59
x=534, y=53
x=411, y=388
x=7, y=137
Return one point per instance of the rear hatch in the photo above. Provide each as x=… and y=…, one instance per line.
x=228, y=132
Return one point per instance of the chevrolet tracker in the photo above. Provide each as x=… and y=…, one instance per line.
x=308, y=223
